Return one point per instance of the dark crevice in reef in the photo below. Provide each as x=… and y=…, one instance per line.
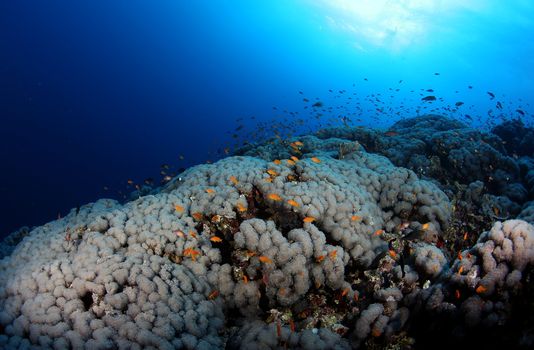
x=87, y=300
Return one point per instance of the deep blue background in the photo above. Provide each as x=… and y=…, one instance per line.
x=95, y=92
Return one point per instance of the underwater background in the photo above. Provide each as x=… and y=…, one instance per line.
x=96, y=93
x=267, y=174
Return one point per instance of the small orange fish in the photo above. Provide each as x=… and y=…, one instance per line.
x=457, y=294
x=197, y=216
x=250, y=253
x=193, y=234
x=298, y=143
x=425, y=226
x=392, y=253
x=214, y=294
x=344, y=292
x=293, y=203
x=356, y=298
x=355, y=218
x=319, y=258
x=245, y=279
x=290, y=162
x=469, y=255
x=266, y=260
x=216, y=239
x=272, y=172
x=179, y=233
x=315, y=160
x=210, y=190
x=178, y=208
x=333, y=254
x=378, y=232
x=309, y=219
x=480, y=289
x=233, y=180
x=291, y=325
x=460, y=257
x=295, y=159
x=465, y=236
x=216, y=218
x=268, y=179
x=460, y=270
x=274, y=197
x=376, y=333
x=241, y=207
x=277, y=161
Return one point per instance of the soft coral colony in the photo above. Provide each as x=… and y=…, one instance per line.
x=312, y=243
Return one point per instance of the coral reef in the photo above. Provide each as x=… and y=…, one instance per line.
x=310, y=243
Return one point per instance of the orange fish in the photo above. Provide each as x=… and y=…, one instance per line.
x=233, y=179
x=210, y=190
x=216, y=239
x=272, y=172
x=309, y=219
x=333, y=254
x=214, y=294
x=197, y=216
x=465, y=236
x=179, y=233
x=298, y=143
x=344, y=292
x=274, y=197
x=392, y=253
x=293, y=203
x=355, y=218
x=319, y=258
x=268, y=179
x=245, y=279
x=460, y=257
x=241, y=207
x=291, y=325
x=460, y=270
x=481, y=289
x=290, y=162
x=291, y=177
x=315, y=160
x=266, y=260
x=295, y=159
x=469, y=255
x=425, y=226
x=378, y=232
x=457, y=294
x=193, y=234
x=178, y=208
x=277, y=161
x=216, y=218
x=250, y=254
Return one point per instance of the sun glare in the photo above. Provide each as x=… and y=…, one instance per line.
x=392, y=24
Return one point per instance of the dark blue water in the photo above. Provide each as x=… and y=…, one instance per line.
x=95, y=93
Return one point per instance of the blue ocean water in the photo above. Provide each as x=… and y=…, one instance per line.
x=93, y=94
